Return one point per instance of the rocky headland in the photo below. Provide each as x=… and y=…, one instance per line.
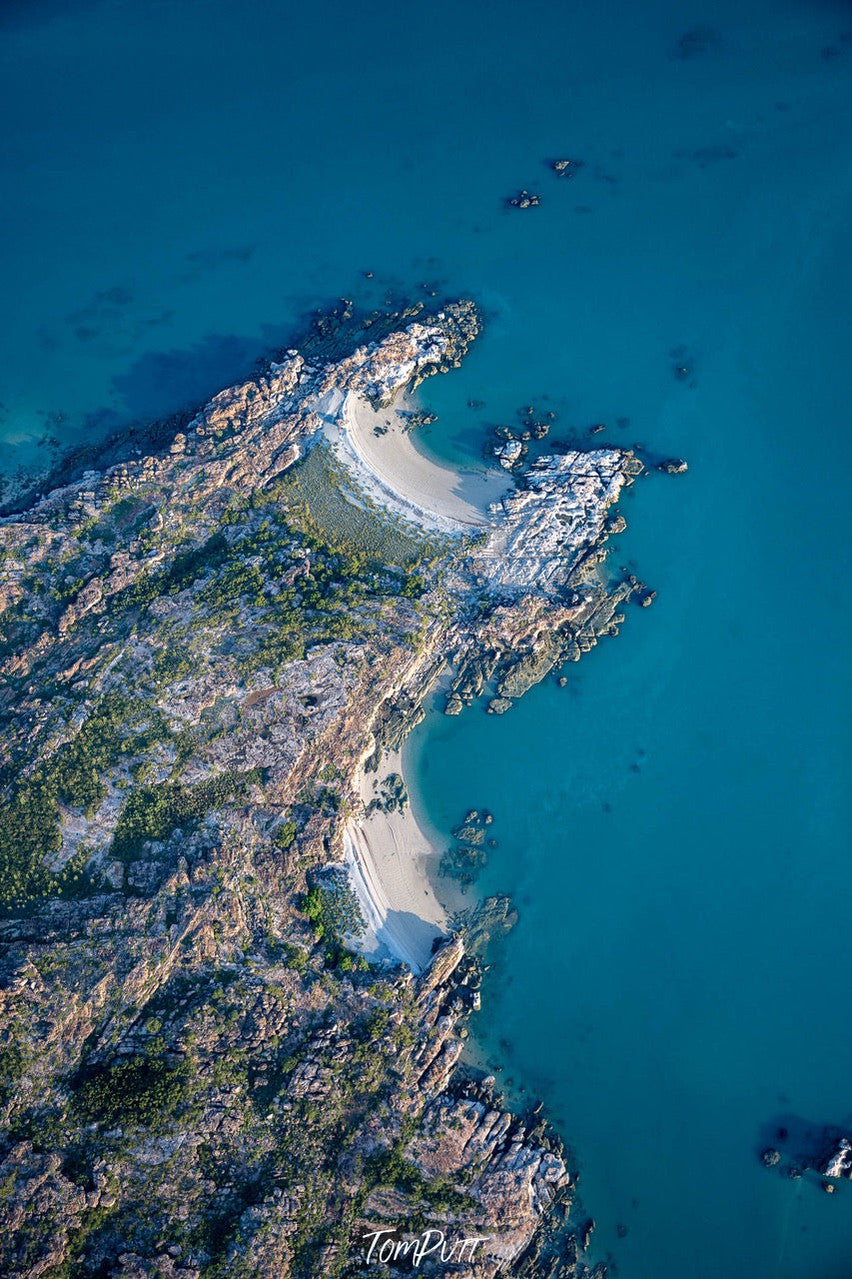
x=205, y=650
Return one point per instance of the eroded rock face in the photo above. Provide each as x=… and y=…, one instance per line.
x=509, y=1177
x=198, y=1078
x=543, y=531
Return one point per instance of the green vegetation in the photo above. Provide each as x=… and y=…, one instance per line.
x=376, y=1023
x=125, y=514
x=333, y=909
x=185, y=568
x=154, y=812
x=247, y=568
x=324, y=499
x=284, y=835
x=391, y=1168
x=30, y=816
x=173, y=663
x=291, y=956
x=139, y=1091
x=13, y=1063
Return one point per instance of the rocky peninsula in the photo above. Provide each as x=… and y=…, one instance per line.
x=231, y=1044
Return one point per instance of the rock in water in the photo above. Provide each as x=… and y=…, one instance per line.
x=839, y=1162
x=510, y=454
x=524, y=200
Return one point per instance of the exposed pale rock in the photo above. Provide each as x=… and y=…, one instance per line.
x=510, y=454
x=542, y=532
x=839, y=1162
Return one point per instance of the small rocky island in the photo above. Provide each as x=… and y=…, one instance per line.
x=214, y=1060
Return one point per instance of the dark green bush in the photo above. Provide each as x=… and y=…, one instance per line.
x=391, y=1168
x=284, y=834
x=140, y=1091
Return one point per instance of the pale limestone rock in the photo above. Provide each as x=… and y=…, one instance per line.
x=542, y=532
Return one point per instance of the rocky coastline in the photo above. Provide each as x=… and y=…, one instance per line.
x=200, y=647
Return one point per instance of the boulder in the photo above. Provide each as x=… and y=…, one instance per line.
x=838, y=1163
x=524, y=200
x=510, y=454
x=566, y=168
x=499, y=705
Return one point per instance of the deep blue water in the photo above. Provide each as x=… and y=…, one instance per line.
x=182, y=181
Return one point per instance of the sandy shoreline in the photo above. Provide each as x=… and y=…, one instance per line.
x=395, y=474
x=392, y=866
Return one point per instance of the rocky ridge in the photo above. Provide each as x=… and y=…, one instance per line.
x=199, y=1078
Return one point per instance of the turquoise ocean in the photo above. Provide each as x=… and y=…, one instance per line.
x=181, y=182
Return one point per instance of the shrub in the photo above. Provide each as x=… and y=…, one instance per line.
x=391, y=1168
x=332, y=907
x=141, y=1091
x=284, y=834
x=154, y=812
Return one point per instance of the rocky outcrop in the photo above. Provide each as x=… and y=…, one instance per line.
x=838, y=1163
x=544, y=530
x=524, y=200
x=502, y=1176
x=673, y=466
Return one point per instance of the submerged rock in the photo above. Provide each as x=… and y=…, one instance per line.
x=482, y=924
x=673, y=466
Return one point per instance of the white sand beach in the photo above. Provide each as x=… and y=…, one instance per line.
x=391, y=864
x=397, y=475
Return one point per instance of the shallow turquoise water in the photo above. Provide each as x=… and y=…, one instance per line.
x=195, y=176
